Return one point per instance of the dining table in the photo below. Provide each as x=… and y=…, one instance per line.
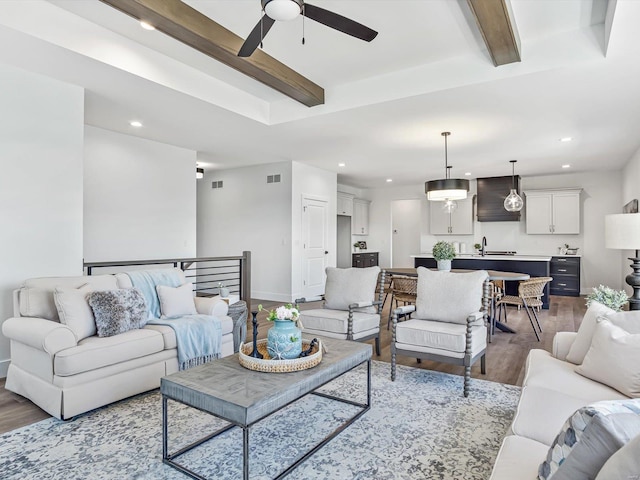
x=492, y=276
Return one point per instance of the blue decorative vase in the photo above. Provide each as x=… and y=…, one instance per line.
x=284, y=340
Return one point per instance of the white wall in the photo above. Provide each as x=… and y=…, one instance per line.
x=249, y=214
x=139, y=198
x=630, y=191
x=601, y=195
x=41, y=135
x=315, y=183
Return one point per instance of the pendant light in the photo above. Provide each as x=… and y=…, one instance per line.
x=447, y=188
x=513, y=202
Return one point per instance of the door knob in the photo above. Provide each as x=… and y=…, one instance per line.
x=326, y=252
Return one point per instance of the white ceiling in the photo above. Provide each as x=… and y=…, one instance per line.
x=386, y=101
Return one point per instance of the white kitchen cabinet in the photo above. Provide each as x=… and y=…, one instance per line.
x=360, y=217
x=458, y=222
x=345, y=204
x=553, y=212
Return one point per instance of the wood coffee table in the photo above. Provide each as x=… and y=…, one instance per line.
x=243, y=397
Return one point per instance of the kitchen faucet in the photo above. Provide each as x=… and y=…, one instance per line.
x=484, y=246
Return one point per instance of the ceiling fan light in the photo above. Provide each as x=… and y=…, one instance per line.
x=282, y=10
x=513, y=202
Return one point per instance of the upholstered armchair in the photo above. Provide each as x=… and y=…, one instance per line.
x=450, y=321
x=350, y=311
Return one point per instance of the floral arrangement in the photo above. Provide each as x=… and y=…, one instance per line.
x=284, y=312
x=443, y=251
x=613, y=299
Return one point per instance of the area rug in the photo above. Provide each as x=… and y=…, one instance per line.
x=419, y=427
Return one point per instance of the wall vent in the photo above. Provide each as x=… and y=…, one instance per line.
x=216, y=184
x=273, y=178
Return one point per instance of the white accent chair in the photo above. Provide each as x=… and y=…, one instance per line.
x=350, y=311
x=450, y=321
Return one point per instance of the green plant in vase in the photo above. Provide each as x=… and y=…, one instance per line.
x=614, y=299
x=443, y=252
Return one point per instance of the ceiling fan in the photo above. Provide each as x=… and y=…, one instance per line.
x=282, y=10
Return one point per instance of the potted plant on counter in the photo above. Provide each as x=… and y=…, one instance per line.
x=444, y=252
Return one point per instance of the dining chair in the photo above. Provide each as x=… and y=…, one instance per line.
x=450, y=322
x=530, y=293
x=403, y=289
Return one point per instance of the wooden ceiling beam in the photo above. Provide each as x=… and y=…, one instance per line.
x=498, y=28
x=189, y=26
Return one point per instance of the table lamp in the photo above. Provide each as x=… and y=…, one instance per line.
x=622, y=231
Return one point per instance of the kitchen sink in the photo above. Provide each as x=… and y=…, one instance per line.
x=499, y=252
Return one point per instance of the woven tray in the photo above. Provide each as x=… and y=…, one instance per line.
x=268, y=365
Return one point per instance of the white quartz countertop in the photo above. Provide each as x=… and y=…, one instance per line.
x=519, y=258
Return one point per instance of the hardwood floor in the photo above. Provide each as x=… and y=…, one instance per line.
x=505, y=356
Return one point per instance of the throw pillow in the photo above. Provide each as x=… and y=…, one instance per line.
x=345, y=286
x=624, y=464
x=118, y=311
x=74, y=310
x=613, y=359
x=589, y=437
x=447, y=296
x=178, y=301
x=582, y=342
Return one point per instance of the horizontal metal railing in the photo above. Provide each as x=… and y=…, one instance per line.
x=208, y=274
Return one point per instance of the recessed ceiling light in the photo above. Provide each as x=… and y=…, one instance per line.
x=341, y=164
x=147, y=26
x=566, y=165
x=389, y=180
x=468, y=174
x=135, y=123
x=566, y=139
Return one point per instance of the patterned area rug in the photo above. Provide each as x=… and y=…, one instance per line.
x=419, y=427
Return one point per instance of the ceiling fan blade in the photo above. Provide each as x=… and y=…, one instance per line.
x=255, y=37
x=340, y=23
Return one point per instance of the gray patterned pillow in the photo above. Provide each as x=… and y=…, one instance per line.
x=589, y=437
x=118, y=311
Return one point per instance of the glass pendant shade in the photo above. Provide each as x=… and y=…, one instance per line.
x=513, y=202
x=446, y=188
x=282, y=10
x=449, y=205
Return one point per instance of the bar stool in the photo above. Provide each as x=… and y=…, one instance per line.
x=530, y=293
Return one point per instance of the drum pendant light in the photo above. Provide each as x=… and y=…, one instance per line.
x=513, y=202
x=446, y=189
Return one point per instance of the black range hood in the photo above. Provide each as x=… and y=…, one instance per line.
x=491, y=194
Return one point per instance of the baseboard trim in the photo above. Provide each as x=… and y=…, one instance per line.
x=271, y=296
x=4, y=367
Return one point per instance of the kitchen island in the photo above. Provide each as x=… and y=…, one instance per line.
x=534, y=265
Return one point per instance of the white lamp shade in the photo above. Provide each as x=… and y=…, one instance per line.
x=282, y=10
x=443, y=195
x=622, y=231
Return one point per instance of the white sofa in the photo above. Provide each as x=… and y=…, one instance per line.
x=66, y=377
x=552, y=391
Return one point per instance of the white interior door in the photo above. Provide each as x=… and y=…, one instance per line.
x=315, y=246
x=405, y=224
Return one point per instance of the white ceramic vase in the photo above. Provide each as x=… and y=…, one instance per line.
x=444, y=265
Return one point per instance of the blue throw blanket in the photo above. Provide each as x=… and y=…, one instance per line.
x=198, y=337
x=147, y=280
